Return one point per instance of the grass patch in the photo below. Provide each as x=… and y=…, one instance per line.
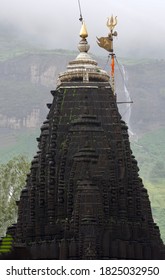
x=23, y=143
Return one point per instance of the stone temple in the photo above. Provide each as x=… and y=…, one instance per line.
x=83, y=198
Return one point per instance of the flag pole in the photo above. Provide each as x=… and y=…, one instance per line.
x=113, y=72
x=107, y=44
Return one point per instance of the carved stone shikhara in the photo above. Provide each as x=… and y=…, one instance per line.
x=83, y=198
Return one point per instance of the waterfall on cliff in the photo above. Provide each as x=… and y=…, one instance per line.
x=127, y=114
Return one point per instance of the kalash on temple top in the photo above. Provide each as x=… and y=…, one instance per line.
x=84, y=68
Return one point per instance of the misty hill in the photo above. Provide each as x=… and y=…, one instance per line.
x=26, y=79
x=147, y=86
x=28, y=73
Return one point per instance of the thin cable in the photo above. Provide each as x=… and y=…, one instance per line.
x=120, y=69
x=126, y=111
x=81, y=17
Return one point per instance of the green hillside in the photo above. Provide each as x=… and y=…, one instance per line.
x=18, y=143
x=150, y=153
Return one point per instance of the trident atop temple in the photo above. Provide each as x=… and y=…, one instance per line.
x=107, y=44
x=111, y=23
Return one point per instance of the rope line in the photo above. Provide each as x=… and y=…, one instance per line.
x=121, y=73
x=81, y=17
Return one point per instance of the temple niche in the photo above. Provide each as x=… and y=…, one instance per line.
x=84, y=198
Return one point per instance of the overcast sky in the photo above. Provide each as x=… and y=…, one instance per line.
x=55, y=23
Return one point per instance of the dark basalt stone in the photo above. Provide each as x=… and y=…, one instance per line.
x=83, y=198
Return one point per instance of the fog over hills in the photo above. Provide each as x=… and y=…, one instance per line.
x=55, y=24
x=26, y=77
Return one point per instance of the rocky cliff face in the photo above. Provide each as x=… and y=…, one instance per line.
x=25, y=84
x=30, y=121
x=40, y=69
x=46, y=78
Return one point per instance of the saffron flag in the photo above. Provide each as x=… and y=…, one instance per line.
x=112, y=66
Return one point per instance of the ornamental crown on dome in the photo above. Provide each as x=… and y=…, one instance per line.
x=84, y=68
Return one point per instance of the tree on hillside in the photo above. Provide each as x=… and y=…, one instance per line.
x=12, y=180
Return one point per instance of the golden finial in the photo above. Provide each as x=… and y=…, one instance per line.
x=83, y=31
